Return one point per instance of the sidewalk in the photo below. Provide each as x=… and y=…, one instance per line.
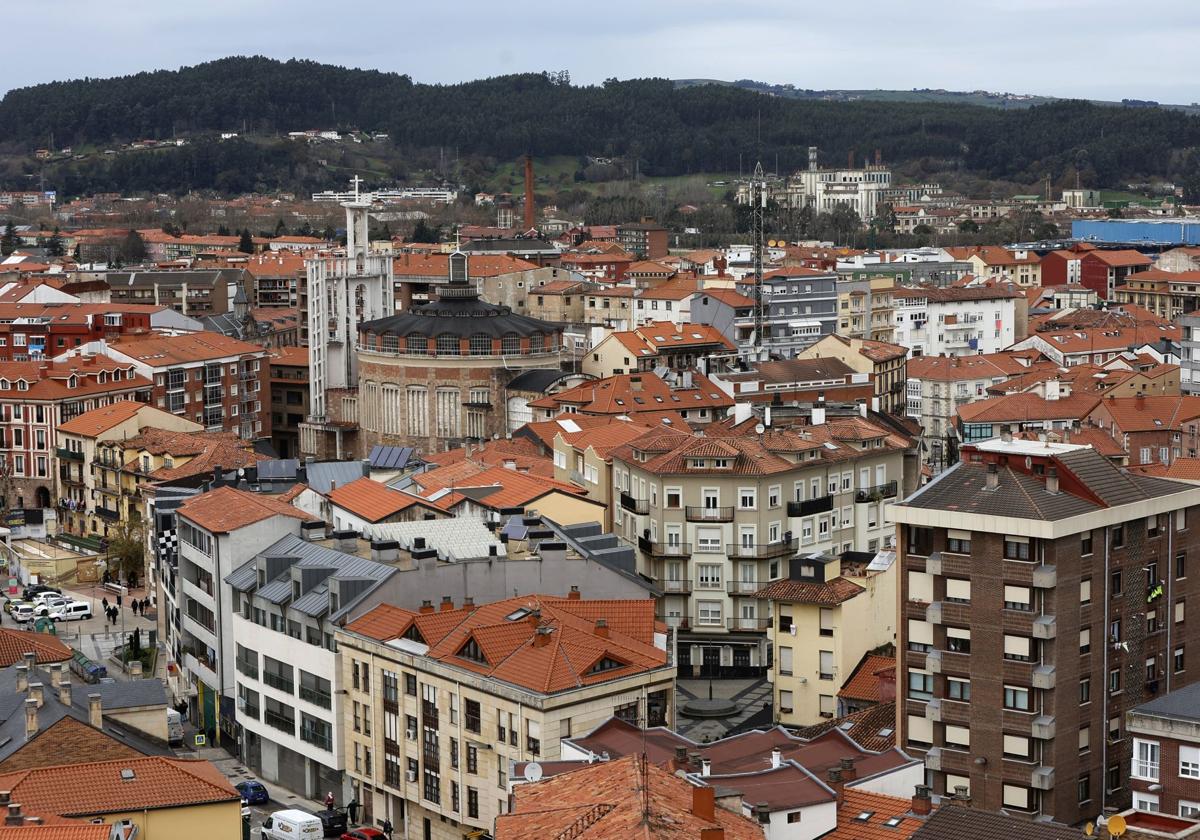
x=236, y=772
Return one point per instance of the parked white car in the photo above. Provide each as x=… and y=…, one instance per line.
x=22, y=612
x=72, y=611
x=49, y=605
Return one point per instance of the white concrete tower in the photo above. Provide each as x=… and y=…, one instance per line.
x=342, y=293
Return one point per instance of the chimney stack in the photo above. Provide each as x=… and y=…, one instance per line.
x=1052, y=480
x=703, y=803
x=993, y=477
x=879, y=157
x=764, y=813
x=835, y=782
x=95, y=711
x=960, y=792
x=705, y=767
x=849, y=774
x=22, y=678
x=850, y=160
x=530, y=220
x=468, y=602
x=13, y=817
x=36, y=694
x=542, y=637
x=56, y=674
x=447, y=603
x=573, y=595
x=602, y=628
x=776, y=757
x=64, y=692
x=31, y=718
x=30, y=661
x=922, y=805
x=717, y=833
x=426, y=607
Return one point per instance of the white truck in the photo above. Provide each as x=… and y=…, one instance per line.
x=292, y=824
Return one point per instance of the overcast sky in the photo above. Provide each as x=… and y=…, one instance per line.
x=1102, y=49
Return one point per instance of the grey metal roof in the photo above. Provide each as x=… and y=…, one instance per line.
x=1182, y=703
x=278, y=470
x=297, y=552
x=963, y=488
x=225, y=323
x=390, y=457
x=322, y=474
x=127, y=694
x=537, y=379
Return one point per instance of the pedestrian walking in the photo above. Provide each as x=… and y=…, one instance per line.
x=387, y=827
x=134, y=605
x=352, y=810
x=145, y=605
x=115, y=613
x=104, y=601
x=329, y=800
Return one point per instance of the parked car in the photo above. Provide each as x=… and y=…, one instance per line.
x=72, y=611
x=47, y=595
x=12, y=602
x=334, y=822
x=35, y=589
x=48, y=605
x=254, y=792
x=23, y=612
x=364, y=834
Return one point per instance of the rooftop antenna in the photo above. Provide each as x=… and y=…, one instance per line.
x=758, y=208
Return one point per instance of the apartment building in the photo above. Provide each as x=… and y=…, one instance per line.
x=825, y=616
x=800, y=306
x=583, y=456
x=655, y=344
x=1019, y=266
x=1165, y=773
x=883, y=361
x=440, y=703
x=89, y=485
x=218, y=381
x=645, y=240
x=36, y=331
x=194, y=293
x=960, y=321
x=718, y=517
x=1151, y=429
x=865, y=308
x=289, y=398
x=1042, y=596
x=217, y=532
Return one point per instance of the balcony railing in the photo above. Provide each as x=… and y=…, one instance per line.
x=317, y=698
x=320, y=740
x=664, y=549
x=809, y=507
x=763, y=550
x=877, y=493
x=278, y=681
x=633, y=505
x=278, y=721
x=69, y=454
x=743, y=587
x=674, y=587
x=742, y=623
x=708, y=514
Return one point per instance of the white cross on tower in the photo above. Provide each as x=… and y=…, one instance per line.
x=356, y=181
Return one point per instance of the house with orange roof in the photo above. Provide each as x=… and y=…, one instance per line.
x=218, y=531
x=872, y=681
x=89, y=498
x=885, y=362
x=1103, y=270
x=1020, y=266
x=655, y=344
x=466, y=489
x=365, y=502
x=159, y=797
x=583, y=456
x=644, y=397
x=1151, y=429
x=219, y=381
x=1026, y=411
x=502, y=278
x=507, y=681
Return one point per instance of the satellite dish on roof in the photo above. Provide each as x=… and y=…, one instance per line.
x=759, y=429
x=533, y=772
x=1116, y=825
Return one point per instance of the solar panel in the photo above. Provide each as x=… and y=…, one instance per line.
x=390, y=457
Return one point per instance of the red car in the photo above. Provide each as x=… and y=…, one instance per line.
x=364, y=834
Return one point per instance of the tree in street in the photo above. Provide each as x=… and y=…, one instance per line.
x=246, y=242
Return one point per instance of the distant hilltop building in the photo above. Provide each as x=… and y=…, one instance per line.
x=824, y=189
x=438, y=195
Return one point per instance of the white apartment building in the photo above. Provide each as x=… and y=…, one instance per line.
x=958, y=321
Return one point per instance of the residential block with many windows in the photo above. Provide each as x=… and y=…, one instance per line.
x=1165, y=771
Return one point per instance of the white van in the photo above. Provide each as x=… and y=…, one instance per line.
x=292, y=825
x=174, y=727
x=72, y=611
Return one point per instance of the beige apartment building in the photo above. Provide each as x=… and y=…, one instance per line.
x=865, y=308
x=827, y=614
x=440, y=704
x=718, y=518
x=583, y=456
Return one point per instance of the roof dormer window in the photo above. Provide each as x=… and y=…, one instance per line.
x=22, y=385
x=471, y=650
x=72, y=381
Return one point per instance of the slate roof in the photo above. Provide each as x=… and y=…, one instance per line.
x=1182, y=704
x=955, y=822
x=536, y=380
x=322, y=475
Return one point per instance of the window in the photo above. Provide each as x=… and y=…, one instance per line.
x=1083, y=790
x=1016, y=697
x=472, y=717
x=959, y=545
x=1018, y=598
x=1016, y=797
x=709, y=613
x=920, y=685
x=1016, y=746
x=1189, y=762
x=1016, y=548
x=1019, y=648
x=958, y=737
x=826, y=665
x=1177, y=660
x=708, y=575
x=785, y=661
x=785, y=702
x=920, y=635
x=958, y=591
x=1189, y=810
x=1085, y=690
x=958, y=640
x=1085, y=544
x=1112, y=779
x=1114, y=630
x=1145, y=801
x=1145, y=760
x=1085, y=739
x=1118, y=536
x=747, y=498
x=957, y=689
x=472, y=759
x=1181, y=565
x=1114, y=681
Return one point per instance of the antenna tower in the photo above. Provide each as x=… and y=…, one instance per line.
x=758, y=209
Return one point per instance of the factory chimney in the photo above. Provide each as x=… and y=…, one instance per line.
x=529, y=218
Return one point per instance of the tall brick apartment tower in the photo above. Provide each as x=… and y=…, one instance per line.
x=1042, y=596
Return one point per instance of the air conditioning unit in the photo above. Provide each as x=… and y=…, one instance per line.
x=411, y=775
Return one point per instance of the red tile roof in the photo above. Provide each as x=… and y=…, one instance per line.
x=438, y=265
x=14, y=644
x=371, y=500
x=864, y=682
x=95, y=788
x=957, y=368
x=227, y=509
x=522, y=453
x=100, y=420
x=1027, y=406
x=618, y=395
x=1150, y=413
x=886, y=817
x=205, y=451
x=1119, y=258
x=164, y=351
x=513, y=489
x=57, y=831
x=873, y=728
x=830, y=593
x=628, y=798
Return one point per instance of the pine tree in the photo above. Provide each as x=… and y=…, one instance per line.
x=133, y=249
x=246, y=243
x=54, y=247
x=9, y=242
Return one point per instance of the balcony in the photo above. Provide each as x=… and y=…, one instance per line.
x=110, y=515
x=317, y=698
x=762, y=551
x=1043, y=676
x=933, y=759
x=320, y=740
x=742, y=587
x=1042, y=778
x=69, y=454
x=742, y=623
x=639, y=506
x=1044, y=627
x=1043, y=727
x=876, y=494
x=708, y=514
x=675, y=587
x=278, y=682
x=1045, y=577
x=280, y=722
x=664, y=549
x=821, y=504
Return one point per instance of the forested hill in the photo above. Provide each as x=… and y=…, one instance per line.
x=671, y=130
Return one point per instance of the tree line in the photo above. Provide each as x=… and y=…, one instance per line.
x=666, y=129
